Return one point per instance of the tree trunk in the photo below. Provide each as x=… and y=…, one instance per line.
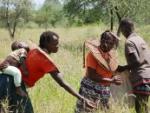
x=11, y=31
x=111, y=20
x=118, y=15
x=12, y=34
x=119, y=20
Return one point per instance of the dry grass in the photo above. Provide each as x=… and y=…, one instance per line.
x=47, y=96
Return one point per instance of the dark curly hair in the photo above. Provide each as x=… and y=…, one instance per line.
x=46, y=38
x=126, y=25
x=18, y=45
x=109, y=37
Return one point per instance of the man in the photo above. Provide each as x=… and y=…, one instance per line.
x=138, y=63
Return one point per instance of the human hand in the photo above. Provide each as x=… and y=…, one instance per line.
x=3, y=65
x=120, y=68
x=117, y=80
x=90, y=104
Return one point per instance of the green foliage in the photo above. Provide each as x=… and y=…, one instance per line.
x=13, y=12
x=31, y=24
x=89, y=11
x=50, y=14
x=138, y=10
x=85, y=11
x=71, y=13
x=46, y=95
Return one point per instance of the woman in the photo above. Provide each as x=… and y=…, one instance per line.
x=38, y=63
x=100, y=65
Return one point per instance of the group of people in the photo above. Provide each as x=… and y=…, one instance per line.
x=24, y=66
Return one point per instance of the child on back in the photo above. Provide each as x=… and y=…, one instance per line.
x=14, y=60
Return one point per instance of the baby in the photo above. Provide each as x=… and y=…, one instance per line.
x=14, y=60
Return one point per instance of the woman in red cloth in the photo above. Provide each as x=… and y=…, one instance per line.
x=100, y=65
x=38, y=63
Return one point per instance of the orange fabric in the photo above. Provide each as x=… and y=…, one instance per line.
x=92, y=63
x=106, y=55
x=38, y=65
x=108, y=60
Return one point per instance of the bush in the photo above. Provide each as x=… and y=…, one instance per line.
x=31, y=24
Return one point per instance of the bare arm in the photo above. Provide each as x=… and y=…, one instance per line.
x=135, y=62
x=57, y=76
x=95, y=77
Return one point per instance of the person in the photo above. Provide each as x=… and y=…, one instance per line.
x=13, y=60
x=38, y=63
x=95, y=85
x=138, y=63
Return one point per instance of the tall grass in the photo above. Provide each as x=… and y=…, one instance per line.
x=46, y=95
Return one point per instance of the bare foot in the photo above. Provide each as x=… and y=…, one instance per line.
x=20, y=92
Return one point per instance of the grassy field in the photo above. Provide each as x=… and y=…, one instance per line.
x=46, y=95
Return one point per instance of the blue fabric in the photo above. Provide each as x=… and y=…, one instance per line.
x=17, y=103
x=6, y=86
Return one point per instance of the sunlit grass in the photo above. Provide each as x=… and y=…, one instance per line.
x=46, y=95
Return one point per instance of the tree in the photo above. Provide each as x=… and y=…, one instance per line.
x=137, y=10
x=89, y=11
x=12, y=12
x=131, y=8
x=50, y=13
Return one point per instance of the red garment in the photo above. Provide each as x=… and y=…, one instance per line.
x=92, y=62
x=38, y=64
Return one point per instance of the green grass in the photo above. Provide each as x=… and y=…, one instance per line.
x=46, y=95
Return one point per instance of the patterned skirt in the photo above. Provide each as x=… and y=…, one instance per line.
x=99, y=94
x=142, y=87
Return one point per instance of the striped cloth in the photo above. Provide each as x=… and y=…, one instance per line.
x=95, y=92
x=141, y=86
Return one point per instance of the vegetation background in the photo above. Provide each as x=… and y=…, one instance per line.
x=75, y=21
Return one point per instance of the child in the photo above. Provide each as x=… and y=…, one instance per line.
x=14, y=60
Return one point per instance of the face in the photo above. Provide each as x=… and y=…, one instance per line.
x=52, y=47
x=106, y=45
x=123, y=31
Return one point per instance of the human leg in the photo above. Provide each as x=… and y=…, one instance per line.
x=141, y=103
x=5, y=90
x=16, y=103
x=86, y=92
x=21, y=104
x=95, y=93
x=15, y=72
